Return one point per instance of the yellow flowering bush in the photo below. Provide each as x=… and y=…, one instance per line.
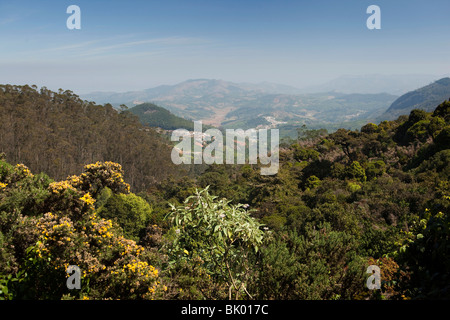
x=68, y=231
x=111, y=266
x=77, y=194
x=100, y=175
x=22, y=170
x=87, y=199
x=60, y=187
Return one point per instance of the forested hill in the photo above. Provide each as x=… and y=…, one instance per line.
x=154, y=116
x=58, y=133
x=425, y=98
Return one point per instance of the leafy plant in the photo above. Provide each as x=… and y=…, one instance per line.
x=224, y=236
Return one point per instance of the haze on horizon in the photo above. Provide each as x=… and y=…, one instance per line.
x=135, y=45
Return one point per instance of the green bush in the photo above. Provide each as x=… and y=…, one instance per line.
x=375, y=169
x=129, y=211
x=369, y=128
x=312, y=182
x=317, y=265
x=356, y=171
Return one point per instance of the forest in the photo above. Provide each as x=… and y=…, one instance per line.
x=86, y=185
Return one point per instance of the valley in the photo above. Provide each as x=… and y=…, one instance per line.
x=232, y=105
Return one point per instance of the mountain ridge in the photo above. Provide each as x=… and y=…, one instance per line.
x=396, y=84
x=425, y=98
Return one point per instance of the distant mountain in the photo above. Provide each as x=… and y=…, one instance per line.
x=232, y=105
x=425, y=98
x=194, y=88
x=373, y=83
x=269, y=87
x=153, y=116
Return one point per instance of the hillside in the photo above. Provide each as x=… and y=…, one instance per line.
x=425, y=98
x=323, y=110
x=153, y=116
x=58, y=133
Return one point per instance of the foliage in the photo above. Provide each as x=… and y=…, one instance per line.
x=317, y=265
x=222, y=236
x=427, y=254
x=356, y=171
x=375, y=169
x=129, y=211
x=312, y=182
x=369, y=128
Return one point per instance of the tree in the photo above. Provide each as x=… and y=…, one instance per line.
x=356, y=171
x=312, y=182
x=443, y=110
x=443, y=138
x=369, y=128
x=58, y=133
x=375, y=169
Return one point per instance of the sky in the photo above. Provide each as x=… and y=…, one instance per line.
x=135, y=45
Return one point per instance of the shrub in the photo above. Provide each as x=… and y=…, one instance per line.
x=369, y=128
x=129, y=211
x=64, y=229
x=224, y=237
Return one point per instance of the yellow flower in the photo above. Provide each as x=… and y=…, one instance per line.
x=185, y=251
x=24, y=169
x=57, y=187
x=87, y=199
x=3, y=185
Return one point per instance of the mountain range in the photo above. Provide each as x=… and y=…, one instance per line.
x=232, y=105
x=266, y=105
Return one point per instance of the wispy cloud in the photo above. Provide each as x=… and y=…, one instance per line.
x=8, y=20
x=110, y=46
x=79, y=45
x=168, y=41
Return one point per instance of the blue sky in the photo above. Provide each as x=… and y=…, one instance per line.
x=133, y=45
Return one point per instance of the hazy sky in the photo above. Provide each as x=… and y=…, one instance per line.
x=134, y=45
